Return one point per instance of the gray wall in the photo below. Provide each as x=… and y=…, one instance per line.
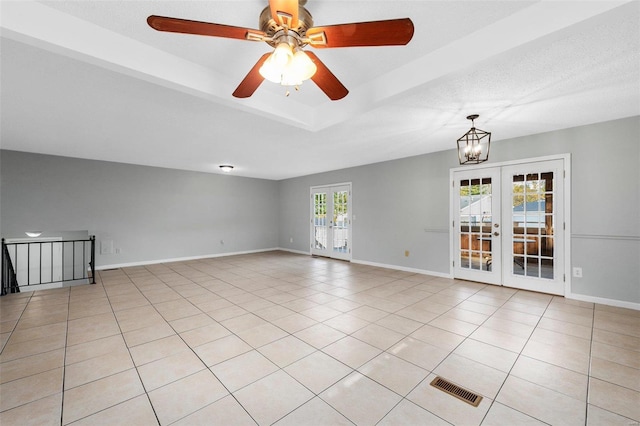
x=150, y=213
x=399, y=205
x=404, y=205
x=154, y=214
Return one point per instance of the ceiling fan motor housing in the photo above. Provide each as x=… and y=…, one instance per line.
x=275, y=32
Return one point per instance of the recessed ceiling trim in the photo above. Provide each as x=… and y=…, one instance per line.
x=43, y=27
x=529, y=24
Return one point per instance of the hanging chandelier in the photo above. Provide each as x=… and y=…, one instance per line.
x=473, y=146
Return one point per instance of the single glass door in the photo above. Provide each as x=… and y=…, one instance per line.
x=534, y=239
x=477, y=243
x=331, y=221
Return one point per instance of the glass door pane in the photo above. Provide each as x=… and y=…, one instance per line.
x=477, y=223
x=533, y=201
x=476, y=219
x=341, y=221
x=331, y=221
x=532, y=220
x=320, y=221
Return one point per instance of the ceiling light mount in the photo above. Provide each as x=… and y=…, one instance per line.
x=271, y=28
x=473, y=146
x=227, y=168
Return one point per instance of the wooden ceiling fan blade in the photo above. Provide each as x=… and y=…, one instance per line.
x=252, y=80
x=326, y=81
x=285, y=12
x=392, y=32
x=185, y=26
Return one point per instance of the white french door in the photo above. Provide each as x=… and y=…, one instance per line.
x=509, y=225
x=478, y=244
x=331, y=221
x=533, y=201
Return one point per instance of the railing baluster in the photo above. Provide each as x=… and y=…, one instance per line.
x=84, y=260
x=93, y=259
x=3, y=289
x=28, y=264
x=73, y=262
x=51, y=280
x=40, y=259
x=16, y=270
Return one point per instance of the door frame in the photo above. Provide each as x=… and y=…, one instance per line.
x=349, y=255
x=566, y=206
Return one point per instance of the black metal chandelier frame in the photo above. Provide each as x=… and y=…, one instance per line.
x=473, y=146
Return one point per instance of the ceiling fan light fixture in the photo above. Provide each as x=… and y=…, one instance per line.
x=288, y=68
x=473, y=146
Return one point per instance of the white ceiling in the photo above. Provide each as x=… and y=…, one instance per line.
x=90, y=79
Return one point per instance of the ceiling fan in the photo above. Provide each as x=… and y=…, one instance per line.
x=288, y=27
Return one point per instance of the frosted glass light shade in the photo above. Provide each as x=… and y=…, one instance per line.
x=270, y=71
x=287, y=68
x=302, y=66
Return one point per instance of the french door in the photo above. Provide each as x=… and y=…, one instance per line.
x=331, y=221
x=478, y=244
x=509, y=225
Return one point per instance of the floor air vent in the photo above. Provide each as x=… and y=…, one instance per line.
x=455, y=390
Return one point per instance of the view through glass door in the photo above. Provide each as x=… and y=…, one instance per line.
x=478, y=245
x=533, y=203
x=509, y=224
x=331, y=221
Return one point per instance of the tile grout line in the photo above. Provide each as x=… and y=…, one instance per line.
x=593, y=325
x=289, y=334
x=514, y=363
x=432, y=371
x=129, y=352
x=64, y=358
x=280, y=369
x=190, y=348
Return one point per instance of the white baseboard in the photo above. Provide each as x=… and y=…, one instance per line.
x=604, y=301
x=180, y=259
x=308, y=253
x=403, y=268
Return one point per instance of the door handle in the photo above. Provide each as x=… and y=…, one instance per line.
x=496, y=234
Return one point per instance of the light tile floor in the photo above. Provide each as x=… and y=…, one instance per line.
x=294, y=340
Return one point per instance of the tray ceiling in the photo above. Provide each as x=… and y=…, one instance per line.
x=91, y=80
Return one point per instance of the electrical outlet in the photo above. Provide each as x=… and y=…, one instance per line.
x=118, y=251
x=577, y=272
x=291, y=239
x=406, y=253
